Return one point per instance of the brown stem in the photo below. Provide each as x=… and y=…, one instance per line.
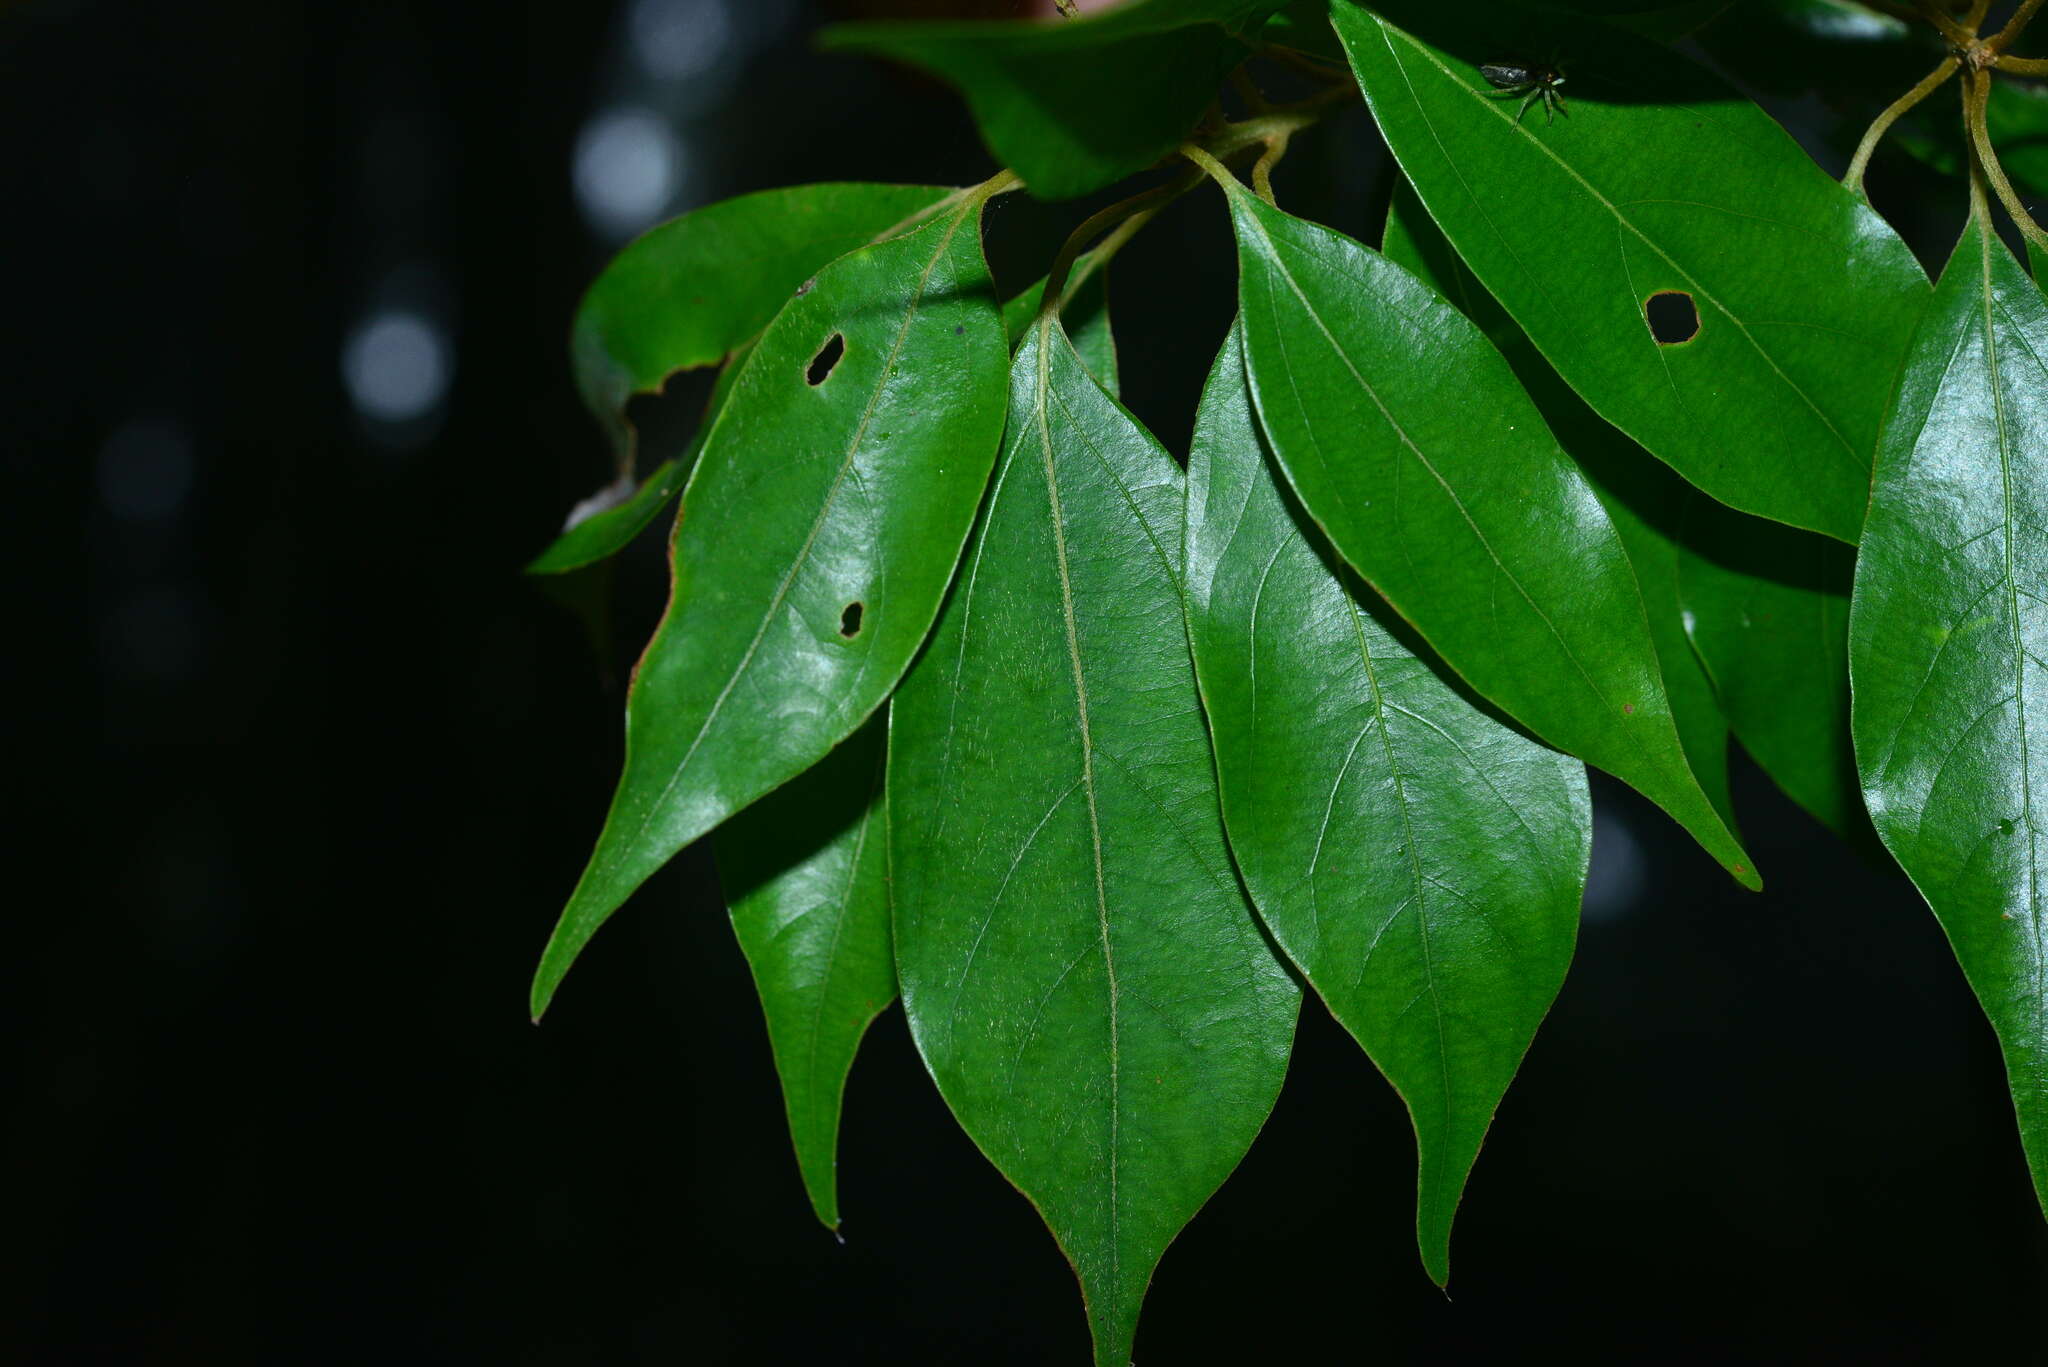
x=2014, y=26
x=2023, y=66
x=1950, y=29
x=1898, y=109
x=1978, y=90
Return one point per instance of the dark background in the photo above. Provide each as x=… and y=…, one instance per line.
x=304, y=768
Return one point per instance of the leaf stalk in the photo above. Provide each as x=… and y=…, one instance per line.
x=1933, y=81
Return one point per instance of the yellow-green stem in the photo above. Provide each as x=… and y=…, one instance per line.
x=1899, y=108
x=1979, y=93
x=2014, y=26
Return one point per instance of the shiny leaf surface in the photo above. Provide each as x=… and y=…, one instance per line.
x=1074, y=105
x=814, y=545
x=1659, y=181
x=1767, y=608
x=689, y=291
x=1465, y=516
x=1419, y=860
x=806, y=876
x=1079, y=966
x=1644, y=499
x=1948, y=641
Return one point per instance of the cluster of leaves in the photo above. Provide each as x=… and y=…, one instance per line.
x=1637, y=432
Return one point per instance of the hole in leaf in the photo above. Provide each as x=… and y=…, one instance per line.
x=827, y=357
x=1672, y=317
x=849, y=621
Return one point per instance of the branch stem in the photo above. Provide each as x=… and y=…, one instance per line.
x=1978, y=91
x=1899, y=108
x=2014, y=26
x=1933, y=13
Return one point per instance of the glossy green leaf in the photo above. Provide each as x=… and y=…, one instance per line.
x=1074, y=105
x=1463, y=514
x=1767, y=608
x=813, y=548
x=1084, y=314
x=1948, y=642
x=1079, y=966
x=606, y=532
x=806, y=874
x=686, y=293
x=1659, y=180
x=1644, y=499
x=1420, y=861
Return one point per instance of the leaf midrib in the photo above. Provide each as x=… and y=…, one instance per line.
x=1862, y=465
x=802, y=556
x=1059, y=541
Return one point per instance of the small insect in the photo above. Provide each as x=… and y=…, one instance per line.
x=1529, y=82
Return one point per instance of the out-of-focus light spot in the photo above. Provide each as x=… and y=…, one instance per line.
x=629, y=167
x=677, y=39
x=145, y=470
x=396, y=366
x=1615, y=883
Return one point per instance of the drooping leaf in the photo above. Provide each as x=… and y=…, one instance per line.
x=1420, y=861
x=605, y=533
x=815, y=541
x=1644, y=499
x=1664, y=200
x=1074, y=105
x=1078, y=963
x=1464, y=515
x=806, y=877
x=1085, y=315
x=1767, y=608
x=686, y=293
x=1948, y=647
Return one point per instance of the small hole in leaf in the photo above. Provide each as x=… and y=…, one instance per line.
x=1672, y=317
x=849, y=621
x=827, y=357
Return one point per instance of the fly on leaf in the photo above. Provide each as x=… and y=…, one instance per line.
x=1531, y=82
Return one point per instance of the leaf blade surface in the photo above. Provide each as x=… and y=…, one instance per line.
x=815, y=541
x=1421, y=862
x=1948, y=628
x=1072, y=106
x=1466, y=518
x=1660, y=180
x=1079, y=967
x=806, y=877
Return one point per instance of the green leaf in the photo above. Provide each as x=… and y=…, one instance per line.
x=1464, y=515
x=806, y=876
x=1421, y=862
x=814, y=545
x=606, y=532
x=1767, y=608
x=689, y=291
x=1084, y=314
x=1304, y=25
x=1948, y=635
x=1659, y=180
x=1074, y=105
x=1643, y=498
x=1079, y=966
